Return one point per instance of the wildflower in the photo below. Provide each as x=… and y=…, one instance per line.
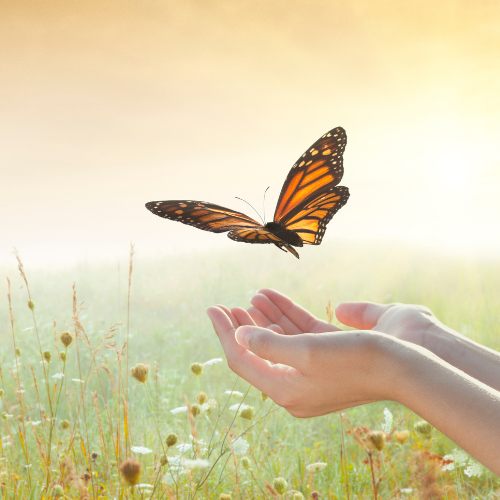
x=316, y=466
x=58, y=491
x=474, y=470
x=31, y=305
x=401, y=436
x=388, y=419
x=47, y=356
x=94, y=455
x=195, y=410
x=163, y=460
x=140, y=372
x=77, y=380
x=377, y=439
x=297, y=495
x=171, y=440
x=280, y=485
x=213, y=361
x=62, y=356
x=179, y=409
x=58, y=376
x=18, y=352
x=197, y=368
x=224, y=496
x=131, y=471
x=141, y=450
x=202, y=397
x=245, y=462
x=247, y=413
x=66, y=339
x=240, y=446
x=210, y=405
x=35, y=423
x=196, y=463
x=184, y=447
x=423, y=427
x=234, y=393
x=65, y=424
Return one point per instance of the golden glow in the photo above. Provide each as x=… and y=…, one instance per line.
x=107, y=105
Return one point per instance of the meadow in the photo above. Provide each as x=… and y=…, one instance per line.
x=113, y=384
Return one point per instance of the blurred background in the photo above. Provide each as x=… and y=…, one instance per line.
x=107, y=105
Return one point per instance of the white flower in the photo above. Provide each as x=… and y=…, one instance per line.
x=388, y=419
x=406, y=491
x=214, y=361
x=35, y=423
x=234, y=393
x=316, y=466
x=450, y=465
x=239, y=407
x=184, y=447
x=144, y=486
x=78, y=380
x=473, y=470
x=179, y=409
x=240, y=446
x=141, y=450
x=58, y=376
x=197, y=463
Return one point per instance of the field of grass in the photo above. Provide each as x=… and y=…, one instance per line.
x=75, y=423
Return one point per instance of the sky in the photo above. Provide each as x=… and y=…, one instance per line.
x=108, y=104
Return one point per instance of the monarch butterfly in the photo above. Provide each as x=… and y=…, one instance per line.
x=308, y=200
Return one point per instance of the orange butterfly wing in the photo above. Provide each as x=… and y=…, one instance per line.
x=319, y=168
x=310, y=219
x=205, y=216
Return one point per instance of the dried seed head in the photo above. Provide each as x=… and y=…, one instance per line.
x=130, y=470
x=62, y=355
x=58, y=491
x=202, y=397
x=377, y=439
x=247, y=413
x=280, y=485
x=423, y=427
x=263, y=396
x=94, y=456
x=31, y=305
x=66, y=339
x=401, y=436
x=171, y=440
x=224, y=496
x=140, y=372
x=2, y=392
x=197, y=368
x=195, y=410
x=18, y=352
x=245, y=462
x=163, y=460
x=65, y=424
x=47, y=356
x=297, y=495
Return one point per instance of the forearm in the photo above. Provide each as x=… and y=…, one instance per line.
x=478, y=361
x=466, y=410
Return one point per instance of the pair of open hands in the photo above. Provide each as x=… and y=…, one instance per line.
x=309, y=366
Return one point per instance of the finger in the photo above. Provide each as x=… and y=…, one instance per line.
x=257, y=371
x=230, y=315
x=274, y=313
x=242, y=316
x=285, y=349
x=259, y=317
x=300, y=316
x=276, y=328
x=362, y=315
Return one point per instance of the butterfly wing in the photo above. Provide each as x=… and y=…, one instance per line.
x=261, y=235
x=319, y=168
x=205, y=216
x=309, y=220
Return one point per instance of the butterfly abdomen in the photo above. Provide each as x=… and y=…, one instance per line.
x=290, y=237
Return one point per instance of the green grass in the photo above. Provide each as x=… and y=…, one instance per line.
x=168, y=331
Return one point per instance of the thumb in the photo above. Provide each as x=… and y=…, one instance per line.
x=275, y=347
x=362, y=315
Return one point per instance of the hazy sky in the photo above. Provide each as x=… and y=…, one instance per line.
x=105, y=105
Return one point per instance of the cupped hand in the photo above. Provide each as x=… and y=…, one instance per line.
x=406, y=322
x=307, y=374
x=271, y=309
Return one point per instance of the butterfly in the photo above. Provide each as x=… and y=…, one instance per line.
x=309, y=198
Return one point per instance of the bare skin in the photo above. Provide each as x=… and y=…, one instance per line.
x=399, y=352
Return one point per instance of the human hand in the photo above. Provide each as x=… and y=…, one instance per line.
x=412, y=323
x=271, y=309
x=307, y=374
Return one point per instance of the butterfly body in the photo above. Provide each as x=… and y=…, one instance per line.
x=309, y=198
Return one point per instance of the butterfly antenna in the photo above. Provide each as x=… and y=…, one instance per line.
x=252, y=207
x=264, y=202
